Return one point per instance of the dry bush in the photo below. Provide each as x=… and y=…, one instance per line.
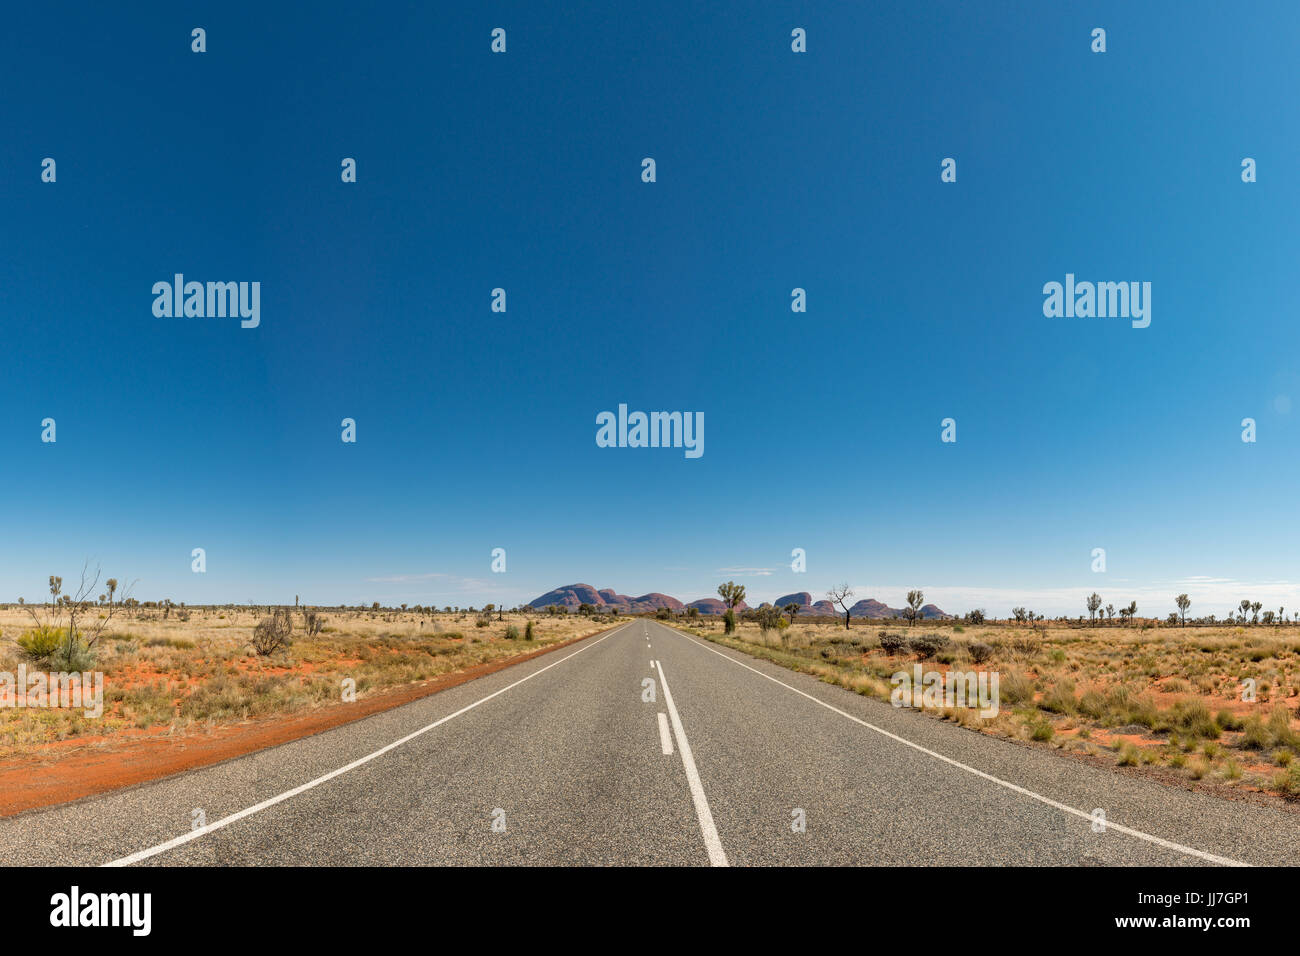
x=272, y=633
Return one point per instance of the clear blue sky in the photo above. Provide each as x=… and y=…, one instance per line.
x=476, y=430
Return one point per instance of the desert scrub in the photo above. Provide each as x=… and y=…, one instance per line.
x=1041, y=730
x=1059, y=698
x=40, y=643
x=1193, y=717
x=891, y=644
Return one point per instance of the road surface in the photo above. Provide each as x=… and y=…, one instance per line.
x=569, y=759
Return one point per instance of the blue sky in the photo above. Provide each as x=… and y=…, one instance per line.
x=775, y=170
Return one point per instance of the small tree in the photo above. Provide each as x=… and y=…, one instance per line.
x=914, y=601
x=767, y=616
x=1094, y=605
x=311, y=621
x=840, y=596
x=1183, y=602
x=791, y=610
x=731, y=594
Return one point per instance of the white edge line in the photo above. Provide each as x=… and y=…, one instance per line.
x=1110, y=825
x=256, y=808
x=717, y=856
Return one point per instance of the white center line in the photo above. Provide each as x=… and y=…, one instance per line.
x=665, y=735
x=1065, y=808
x=711, y=842
x=256, y=808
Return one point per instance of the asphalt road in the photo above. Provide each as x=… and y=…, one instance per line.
x=561, y=760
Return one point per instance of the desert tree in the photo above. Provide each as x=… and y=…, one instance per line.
x=1254, y=611
x=1094, y=605
x=792, y=609
x=840, y=595
x=1183, y=602
x=731, y=594
x=914, y=601
x=767, y=617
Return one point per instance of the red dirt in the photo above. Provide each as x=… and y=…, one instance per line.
x=47, y=778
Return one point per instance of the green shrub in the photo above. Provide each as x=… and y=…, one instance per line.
x=1194, y=717
x=927, y=645
x=1279, y=725
x=1255, y=735
x=891, y=643
x=41, y=643
x=1227, y=720
x=529, y=634
x=1059, y=698
x=512, y=633
x=1015, y=687
x=980, y=652
x=179, y=643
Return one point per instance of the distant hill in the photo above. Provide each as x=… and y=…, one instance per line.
x=574, y=595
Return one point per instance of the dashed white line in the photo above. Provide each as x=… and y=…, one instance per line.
x=665, y=735
x=717, y=857
x=257, y=808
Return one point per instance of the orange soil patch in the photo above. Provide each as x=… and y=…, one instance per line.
x=46, y=778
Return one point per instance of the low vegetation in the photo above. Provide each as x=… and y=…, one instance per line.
x=169, y=669
x=1145, y=696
